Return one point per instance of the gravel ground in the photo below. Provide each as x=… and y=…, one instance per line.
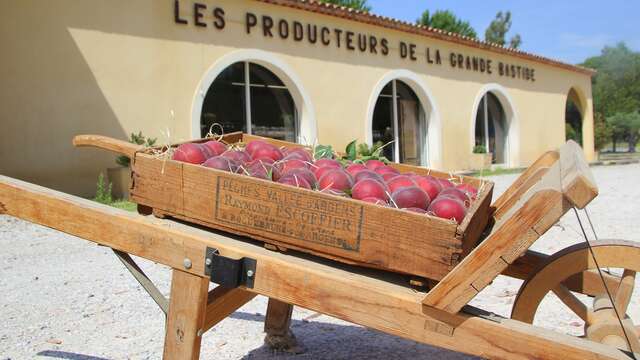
x=66, y=298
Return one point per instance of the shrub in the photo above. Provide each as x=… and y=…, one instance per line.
x=479, y=149
x=103, y=191
x=138, y=139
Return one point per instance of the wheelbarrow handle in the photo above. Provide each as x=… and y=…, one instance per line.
x=107, y=143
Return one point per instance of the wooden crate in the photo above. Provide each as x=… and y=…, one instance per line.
x=338, y=228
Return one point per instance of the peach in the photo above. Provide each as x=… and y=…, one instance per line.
x=368, y=188
x=470, y=190
x=189, y=153
x=253, y=145
x=286, y=165
x=448, y=208
x=445, y=183
x=294, y=180
x=456, y=194
x=400, y=181
x=354, y=169
x=298, y=153
x=374, y=164
x=327, y=163
x=268, y=151
x=431, y=186
x=335, y=179
x=304, y=173
x=410, y=197
x=386, y=169
x=221, y=163
x=240, y=156
x=368, y=174
x=215, y=147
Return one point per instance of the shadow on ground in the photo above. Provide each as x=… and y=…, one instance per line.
x=336, y=341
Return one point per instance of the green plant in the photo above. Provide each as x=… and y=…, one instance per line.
x=103, y=191
x=602, y=132
x=479, y=149
x=362, y=152
x=138, y=139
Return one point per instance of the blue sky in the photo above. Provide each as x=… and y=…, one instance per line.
x=567, y=30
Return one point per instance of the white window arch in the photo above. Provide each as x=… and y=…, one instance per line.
x=407, y=87
x=494, y=125
x=306, y=127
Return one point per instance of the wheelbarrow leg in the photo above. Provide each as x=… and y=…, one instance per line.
x=277, y=326
x=187, y=309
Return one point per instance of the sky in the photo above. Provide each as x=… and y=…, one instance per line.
x=567, y=30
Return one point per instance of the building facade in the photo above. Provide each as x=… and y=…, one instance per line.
x=291, y=69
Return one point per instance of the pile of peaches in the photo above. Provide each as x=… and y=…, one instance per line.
x=371, y=181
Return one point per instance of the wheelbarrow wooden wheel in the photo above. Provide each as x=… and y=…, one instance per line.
x=601, y=323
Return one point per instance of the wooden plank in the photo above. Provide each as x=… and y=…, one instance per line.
x=330, y=289
x=222, y=302
x=578, y=184
x=510, y=237
x=188, y=302
x=546, y=160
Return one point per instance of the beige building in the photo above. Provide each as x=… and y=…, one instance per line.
x=291, y=69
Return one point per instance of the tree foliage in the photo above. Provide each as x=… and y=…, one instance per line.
x=616, y=93
x=627, y=127
x=354, y=4
x=498, y=29
x=447, y=21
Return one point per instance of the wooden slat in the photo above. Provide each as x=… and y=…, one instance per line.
x=328, y=289
x=278, y=318
x=545, y=161
x=522, y=218
x=222, y=302
x=578, y=184
x=185, y=321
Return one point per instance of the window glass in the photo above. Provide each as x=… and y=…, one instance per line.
x=272, y=110
x=410, y=127
x=491, y=116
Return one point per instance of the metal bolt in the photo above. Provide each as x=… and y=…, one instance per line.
x=187, y=263
x=200, y=332
x=208, y=262
x=249, y=273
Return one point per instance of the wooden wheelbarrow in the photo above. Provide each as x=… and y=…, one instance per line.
x=557, y=182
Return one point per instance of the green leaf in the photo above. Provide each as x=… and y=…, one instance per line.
x=323, y=152
x=351, y=150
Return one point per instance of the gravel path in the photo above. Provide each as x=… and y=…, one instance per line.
x=66, y=298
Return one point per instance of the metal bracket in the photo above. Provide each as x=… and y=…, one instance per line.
x=229, y=272
x=471, y=310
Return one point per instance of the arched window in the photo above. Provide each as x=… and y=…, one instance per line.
x=248, y=97
x=491, y=128
x=400, y=124
x=573, y=117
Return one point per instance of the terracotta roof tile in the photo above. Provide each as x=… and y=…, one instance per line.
x=395, y=24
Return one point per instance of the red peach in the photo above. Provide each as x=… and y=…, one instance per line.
x=240, y=156
x=388, y=176
x=456, y=194
x=298, y=153
x=368, y=188
x=294, y=180
x=215, y=147
x=386, y=169
x=410, y=197
x=374, y=164
x=221, y=163
x=286, y=165
x=448, y=208
x=354, y=169
x=335, y=179
x=304, y=173
x=400, y=181
x=189, y=153
x=431, y=186
x=253, y=145
x=327, y=163
x=445, y=183
x=268, y=151
x=470, y=190
x=368, y=174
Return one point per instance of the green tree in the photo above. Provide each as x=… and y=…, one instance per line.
x=447, y=21
x=616, y=85
x=354, y=4
x=627, y=127
x=498, y=29
x=601, y=132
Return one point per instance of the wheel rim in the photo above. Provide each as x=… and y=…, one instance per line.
x=600, y=321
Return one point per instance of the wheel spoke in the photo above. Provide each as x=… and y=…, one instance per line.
x=573, y=303
x=622, y=297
